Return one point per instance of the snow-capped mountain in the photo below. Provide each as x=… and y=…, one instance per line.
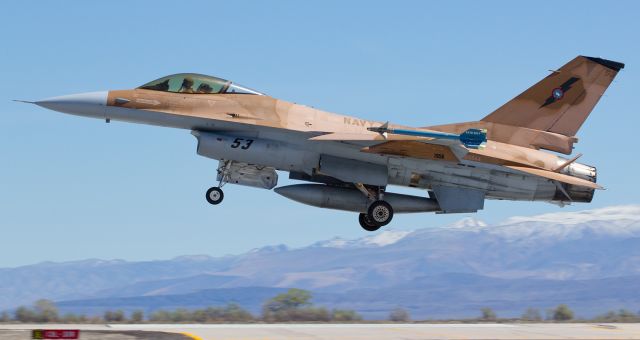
x=468, y=223
x=585, y=246
x=381, y=239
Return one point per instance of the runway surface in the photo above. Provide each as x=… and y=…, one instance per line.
x=339, y=331
x=19, y=333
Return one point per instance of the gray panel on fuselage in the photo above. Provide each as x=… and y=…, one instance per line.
x=354, y=171
x=498, y=183
x=458, y=199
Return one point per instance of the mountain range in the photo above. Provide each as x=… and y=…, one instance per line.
x=588, y=259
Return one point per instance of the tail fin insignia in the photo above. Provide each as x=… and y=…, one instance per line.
x=558, y=92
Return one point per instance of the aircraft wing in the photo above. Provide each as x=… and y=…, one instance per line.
x=556, y=176
x=438, y=150
x=402, y=145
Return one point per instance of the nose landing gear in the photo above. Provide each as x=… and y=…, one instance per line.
x=214, y=195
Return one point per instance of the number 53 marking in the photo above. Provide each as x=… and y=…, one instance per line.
x=239, y=141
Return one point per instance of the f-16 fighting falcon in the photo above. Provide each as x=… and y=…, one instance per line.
x=350, y=162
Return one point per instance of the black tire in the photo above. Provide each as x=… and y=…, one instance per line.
x=214, y=195
x=367, y=224
x=380, y=213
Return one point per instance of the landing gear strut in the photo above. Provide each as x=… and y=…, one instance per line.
x=379, y=212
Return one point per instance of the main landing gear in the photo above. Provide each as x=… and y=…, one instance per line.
x=379, y=213
x=366, y=223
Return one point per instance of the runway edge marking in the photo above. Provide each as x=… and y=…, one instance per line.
x=191, y=336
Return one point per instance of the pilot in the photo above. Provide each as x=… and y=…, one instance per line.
x=204, y=88
x=164, y=86
x=187, y=85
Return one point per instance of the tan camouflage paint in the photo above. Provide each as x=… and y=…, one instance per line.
x=515, y=131
x=528, y=122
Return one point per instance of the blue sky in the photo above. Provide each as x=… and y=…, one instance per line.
x=75, y=188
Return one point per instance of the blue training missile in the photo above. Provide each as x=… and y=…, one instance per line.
x=471, y=138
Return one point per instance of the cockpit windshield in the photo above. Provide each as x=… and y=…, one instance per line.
x=196, y=83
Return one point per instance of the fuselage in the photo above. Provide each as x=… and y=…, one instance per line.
x=352, y=161
x=288, y=127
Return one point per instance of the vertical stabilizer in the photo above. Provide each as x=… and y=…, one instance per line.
x=561, y=102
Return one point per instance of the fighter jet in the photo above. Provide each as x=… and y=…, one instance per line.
x=349, y=163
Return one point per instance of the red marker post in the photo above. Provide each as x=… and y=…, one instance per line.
x=55, y=334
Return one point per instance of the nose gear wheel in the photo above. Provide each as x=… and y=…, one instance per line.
x=214, y=195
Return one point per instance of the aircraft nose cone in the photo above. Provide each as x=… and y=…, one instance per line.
x=85, y=104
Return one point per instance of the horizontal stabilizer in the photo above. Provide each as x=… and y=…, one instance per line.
x=556, y=176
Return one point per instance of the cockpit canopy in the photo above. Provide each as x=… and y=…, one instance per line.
x=196, y=83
